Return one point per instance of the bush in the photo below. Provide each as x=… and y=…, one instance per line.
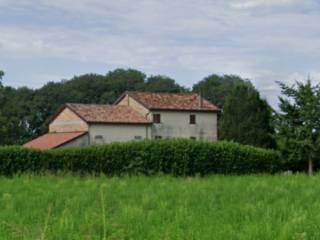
x=176, y=157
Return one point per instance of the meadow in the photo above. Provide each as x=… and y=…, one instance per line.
x=160, y=207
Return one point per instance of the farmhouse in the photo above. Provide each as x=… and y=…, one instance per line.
x=134, y=116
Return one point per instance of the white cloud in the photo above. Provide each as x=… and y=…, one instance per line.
x=112, y=49
x=248, y=4
x=191, y=38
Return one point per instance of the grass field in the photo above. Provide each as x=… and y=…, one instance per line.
x=216, y=207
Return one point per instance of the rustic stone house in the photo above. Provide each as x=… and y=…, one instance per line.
x=134, y=116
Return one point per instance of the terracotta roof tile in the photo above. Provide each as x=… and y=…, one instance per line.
x=173, y=101
x=94, y=113
x=52, y=140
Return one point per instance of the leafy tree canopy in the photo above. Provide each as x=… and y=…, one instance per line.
x=298, y=123
x=247, y=118
x=216, y=88
x=161, y=83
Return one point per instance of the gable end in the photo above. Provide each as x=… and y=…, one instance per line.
x=67, y=120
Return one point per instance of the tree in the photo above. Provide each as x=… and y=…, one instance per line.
x=160, y=83
x=121, y=80
x=216, y=88
x=12, y=128
x=298, y=123
x=3, y=129
x=247, y=118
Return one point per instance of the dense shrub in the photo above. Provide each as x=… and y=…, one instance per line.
x=176, y=157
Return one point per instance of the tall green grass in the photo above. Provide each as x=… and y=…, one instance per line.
x=216, y=207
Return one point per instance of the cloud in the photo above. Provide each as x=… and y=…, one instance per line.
x=188, y=39
x=115, y=50
x=248, y=4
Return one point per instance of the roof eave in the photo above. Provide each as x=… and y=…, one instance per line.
x=121, y=97
x=70, y=140
x=53, y=117
x=120, y=123
x=130, y=95
x=185, y=110
x=56, y=146
x=60, y=109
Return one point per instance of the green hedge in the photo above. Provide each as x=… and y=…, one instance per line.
x=176, y=157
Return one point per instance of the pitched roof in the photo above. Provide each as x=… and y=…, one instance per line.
x=173, y=101
x=52, y=140
x=120, y=114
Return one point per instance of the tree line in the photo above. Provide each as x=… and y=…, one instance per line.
x=245, y=116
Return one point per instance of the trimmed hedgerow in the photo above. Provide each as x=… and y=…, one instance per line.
x=176, y=157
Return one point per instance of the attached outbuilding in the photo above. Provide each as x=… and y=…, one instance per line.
x=86, y=124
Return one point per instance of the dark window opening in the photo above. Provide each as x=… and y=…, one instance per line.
x=193, y=138
x=156, y=118
x=192, y=119
x=158, y=137
x=98, y=139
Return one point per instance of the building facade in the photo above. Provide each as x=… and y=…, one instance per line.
x=175, y=115
x=134, y=116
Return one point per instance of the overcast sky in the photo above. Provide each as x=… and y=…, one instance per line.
x=264, y=40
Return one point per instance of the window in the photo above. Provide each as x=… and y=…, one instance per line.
x=192, y=119
x=156, y=118
x=158, y=137
x=193, y=138
x=137, y=138
x=98, y=139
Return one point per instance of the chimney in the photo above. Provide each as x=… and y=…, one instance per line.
x=200, y=100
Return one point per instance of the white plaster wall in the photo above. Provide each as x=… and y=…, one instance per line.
x=176, y=125
x=118, y=132
x=78, y=142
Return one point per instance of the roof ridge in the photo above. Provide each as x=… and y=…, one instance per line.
x=149, y=92
x=65, y=132
x=181, y=101
x=96, y=104
x=70, y=105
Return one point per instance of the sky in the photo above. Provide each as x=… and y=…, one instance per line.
x=263, y=40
